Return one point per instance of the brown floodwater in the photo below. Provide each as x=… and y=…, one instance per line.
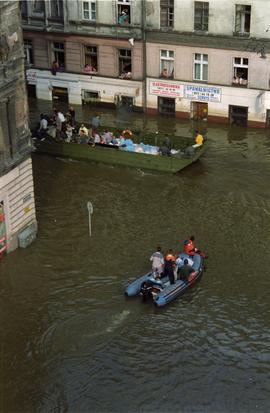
x=72, y=342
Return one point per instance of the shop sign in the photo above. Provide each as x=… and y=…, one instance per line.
x=31, y=76
x=171, y=90
x=203, y=93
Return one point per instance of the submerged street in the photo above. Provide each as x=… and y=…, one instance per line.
x=72, y=342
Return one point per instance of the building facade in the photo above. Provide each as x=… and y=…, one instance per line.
x=191, y=59
x=88, y=50
x=17, y=205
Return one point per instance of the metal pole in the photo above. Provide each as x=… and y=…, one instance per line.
x=90, y=212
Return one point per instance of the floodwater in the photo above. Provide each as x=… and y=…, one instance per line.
x=72, y=342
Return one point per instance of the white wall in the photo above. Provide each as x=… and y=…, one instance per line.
x=221, y=16
x=17, y=192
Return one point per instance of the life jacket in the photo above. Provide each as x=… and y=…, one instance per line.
x=189, y=247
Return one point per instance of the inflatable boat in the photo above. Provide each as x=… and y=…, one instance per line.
x=160, y=290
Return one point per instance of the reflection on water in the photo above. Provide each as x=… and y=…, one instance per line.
x=71, y=341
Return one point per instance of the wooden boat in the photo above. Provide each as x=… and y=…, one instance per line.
x=115, y=155
x=161, y=291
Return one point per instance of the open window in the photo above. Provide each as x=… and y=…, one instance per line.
x=166, y=13
x=123, y=10
x=242, y=20
x=58, y=50
x=240, y=71
x=24, y=9
x=28, y=52
x=38, y=6
x=125, y=64
x=167, y=64
x=56, y=9
x=90, y=59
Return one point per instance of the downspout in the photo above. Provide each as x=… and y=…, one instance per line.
x=144, y=83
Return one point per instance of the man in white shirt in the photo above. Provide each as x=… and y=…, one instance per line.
x=43, y=127
x=157, y=260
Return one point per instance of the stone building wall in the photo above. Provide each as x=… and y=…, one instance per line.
x=16, y=175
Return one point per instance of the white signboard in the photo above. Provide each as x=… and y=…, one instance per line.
x=203, y=93
x=31, y=76
x=161, y=88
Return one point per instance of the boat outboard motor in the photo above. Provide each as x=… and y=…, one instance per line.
x=146, y=289
x=150, y=287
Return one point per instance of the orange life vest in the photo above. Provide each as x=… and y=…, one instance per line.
x=189, y=247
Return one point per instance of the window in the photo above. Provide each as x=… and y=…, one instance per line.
x=240, y=71
x=125, y=66
x=24, y=10
x=28, y=52
x=38, y=6
x=123, y=12
x=57, y=10
x=166, y=63
x=59, y=55
x=201, y=14
x=89, y=96
x=242, y=19
x=166, y=13
x=90, y=59
x=89, y=10
x=166, y=106
x=200, y=66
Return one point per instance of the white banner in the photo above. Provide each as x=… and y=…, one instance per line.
x=203, y=93
x=161, y=88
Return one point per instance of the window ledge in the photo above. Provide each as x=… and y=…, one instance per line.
x=238, y=85
x=166, y=77
x=240, y=34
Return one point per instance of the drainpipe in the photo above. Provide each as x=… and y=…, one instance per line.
x=144, y=83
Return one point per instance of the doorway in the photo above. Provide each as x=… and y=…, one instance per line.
x=267, y=122
x=199, y=111
x=238, y=115
x=60, y=94
x=31, y=90
x=166, y=106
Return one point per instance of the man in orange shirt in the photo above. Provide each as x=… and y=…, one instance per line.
x=189, y=247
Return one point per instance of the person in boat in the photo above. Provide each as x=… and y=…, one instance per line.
x=107, y=136
x=189, y=246
x=83, y=134
x=164, y=150
x=96, y=122
x=71, y=116
x=185, y=271
x=198, y=139
x=43, y=127
x=169, y=266
x=96, y=138
x=157, y=260
x=69, y=133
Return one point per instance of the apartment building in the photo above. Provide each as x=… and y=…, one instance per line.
x=17, y=206
x=209, y=60
x=91, y=51
x=191, y=59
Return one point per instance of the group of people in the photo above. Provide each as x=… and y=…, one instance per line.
x=64, y=125
x=171, y=266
